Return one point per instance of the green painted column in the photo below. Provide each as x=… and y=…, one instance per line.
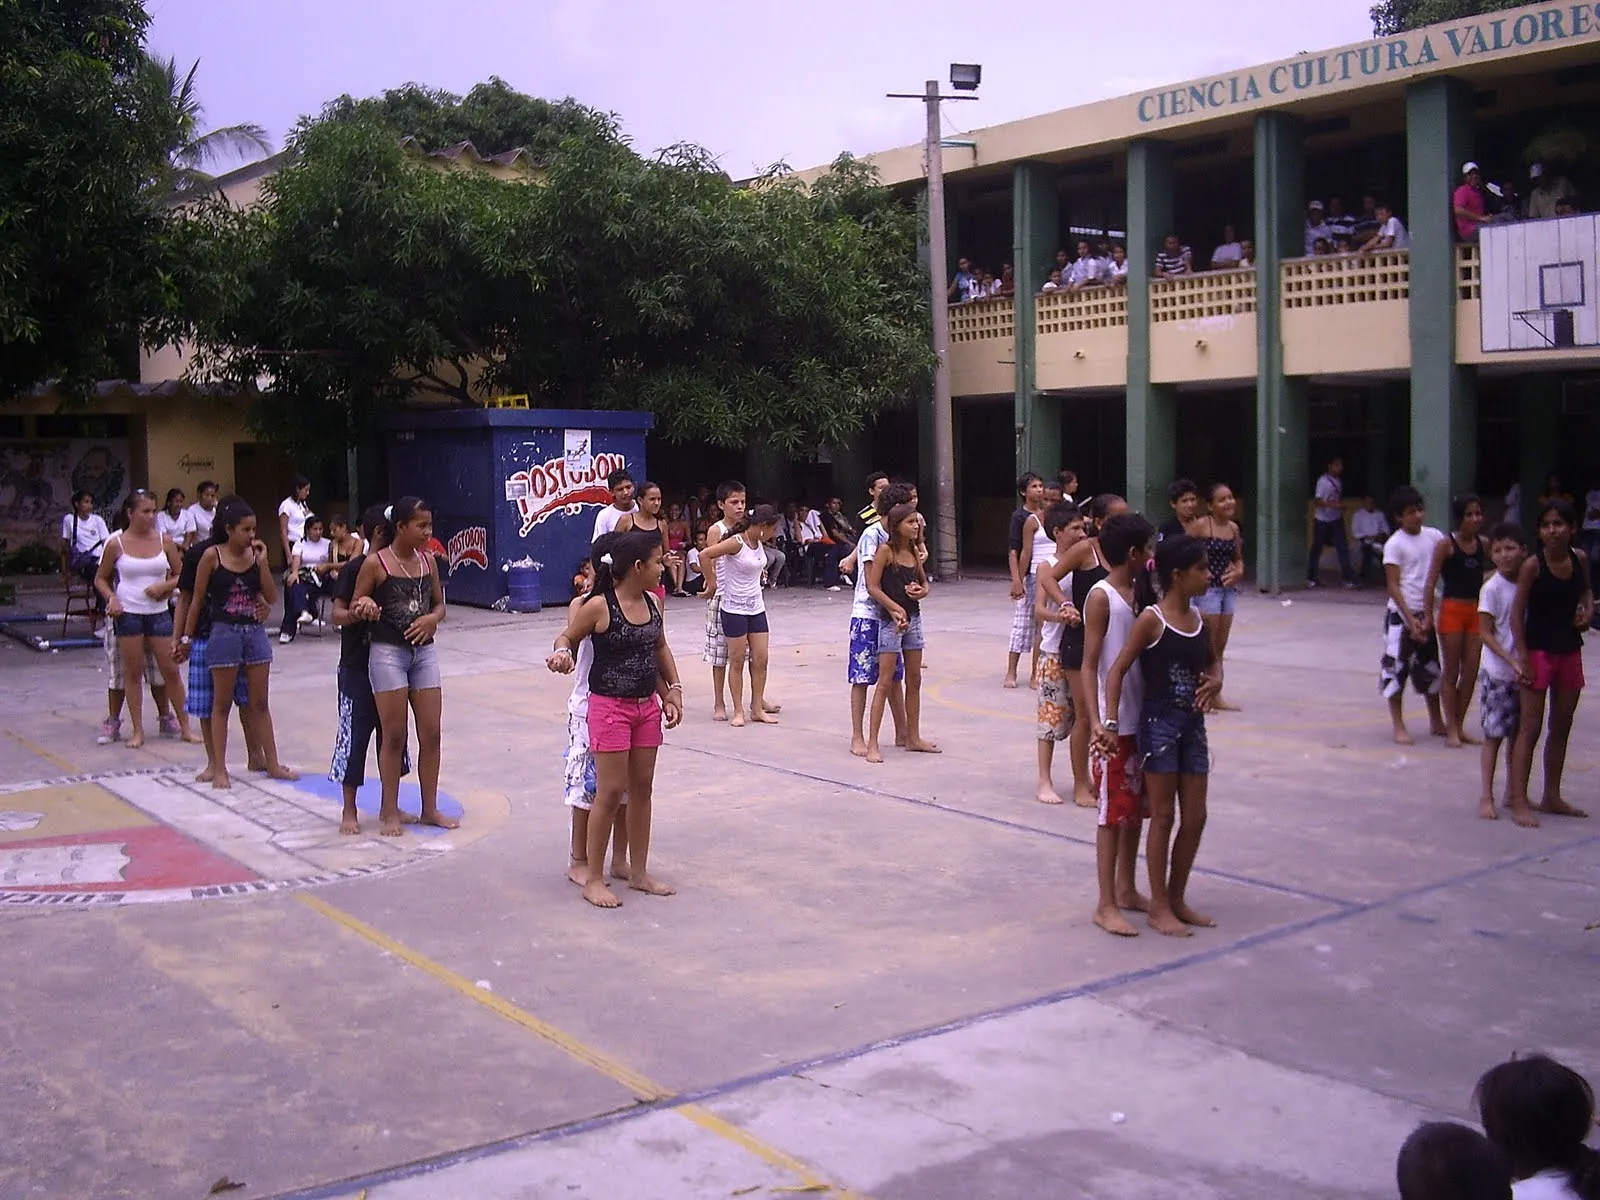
x=1538, y=445
x=1444, y=404
x=1035, y=229
x=1283, y=480
x=1152, y=431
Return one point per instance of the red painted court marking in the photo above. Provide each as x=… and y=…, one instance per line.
x=158, y=857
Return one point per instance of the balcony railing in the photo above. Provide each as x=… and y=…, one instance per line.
x=1076, y=312
x=1332, y=280
x=1469, y=272
x=1208, y=294
x=983, y=320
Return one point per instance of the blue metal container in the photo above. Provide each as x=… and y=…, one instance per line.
x=522, y=585
x=509, y=485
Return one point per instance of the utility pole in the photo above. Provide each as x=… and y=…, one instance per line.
x=944, y=442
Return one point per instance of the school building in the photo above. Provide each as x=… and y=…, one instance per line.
x=1447, y=364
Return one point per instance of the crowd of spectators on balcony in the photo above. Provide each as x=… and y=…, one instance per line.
x=1475, y=203
x=974, y=283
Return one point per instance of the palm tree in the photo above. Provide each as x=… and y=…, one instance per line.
x=189, y=150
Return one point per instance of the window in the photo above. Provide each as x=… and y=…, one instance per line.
x=1561, y=285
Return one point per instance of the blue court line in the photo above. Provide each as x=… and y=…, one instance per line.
x=369, y=795
x=1021, y=827
x=421, y=1167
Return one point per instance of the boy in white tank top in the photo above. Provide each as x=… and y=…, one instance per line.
x=1114, y=765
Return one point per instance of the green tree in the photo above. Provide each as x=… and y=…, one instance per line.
x=1397, y=16
x=367, y=277
x=190, y=151
x=80, y=140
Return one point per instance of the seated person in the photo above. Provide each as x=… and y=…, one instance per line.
x=1371, y=530
x=694, y=582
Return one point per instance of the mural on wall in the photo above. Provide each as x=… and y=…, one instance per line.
x=469, y=547
x=540, y=490
x=38, y=479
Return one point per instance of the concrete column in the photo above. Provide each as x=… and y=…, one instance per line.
x=1444, y=404
x=1152, y=432
x=1035, y=224
x=1539, y=445
x=1283, y=481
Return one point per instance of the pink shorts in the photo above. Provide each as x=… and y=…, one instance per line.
x=617, y=724
x=1564, y=671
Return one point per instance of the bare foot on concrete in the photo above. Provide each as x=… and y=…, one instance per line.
x=1557, y=807
x=763, y=716
x=599, y=894
x=643, y=881
x=858, y=747
x=1402, y=736
x=873, y=755
x=771, y=706
x=1168, y=923
x=1486, y=809
x=1189, y=917
x=350, y=824
x=220, y=781
x=620, y=870
x=1133, y=903
x=1010, y=681
x=923, y=746
x=391, y=826
x=1084, y=798
x=437, y=819
x=719, y=713
x=1114, y=922
x=1523, y=816
x=1047, y=795
x=738, y=719
x=279, y=771
x=206, y=776
x=578, y=871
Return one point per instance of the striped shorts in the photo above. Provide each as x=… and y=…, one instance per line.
x=1024, y=628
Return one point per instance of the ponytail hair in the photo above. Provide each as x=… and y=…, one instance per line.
x=762, y=514
x=1539, y=1112
x=229, y=513
x=615, y=555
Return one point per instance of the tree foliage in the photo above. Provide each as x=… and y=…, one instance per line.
x=1397, y=16
x=771, y=314
x=493, y=116
x=80, y=140
x=189, y=151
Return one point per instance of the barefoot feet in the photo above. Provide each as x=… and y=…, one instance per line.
x=1084, y=798
x=1047, y=794
x=221, y=782
x=923, y=746
x=858, y=747
x=719, y=713
x=1402, y=736
x=873, y=754
x=1486, y=809
x=643, y=881
x=1557, y=807
x=1167, y=922
x=1523, y=816
x=738, y=719
x=598, y=893
x=1133, y=902
x=437, y=819
x=763, y=716
x=1010, y=681
x=1189, y=917
x=1112, y=921
x=279, y=771
x=578, y=871
x=350, y=823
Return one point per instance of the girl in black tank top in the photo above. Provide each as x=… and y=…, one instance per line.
x=632, y=666
x=1553, y=606
x=1459, y=561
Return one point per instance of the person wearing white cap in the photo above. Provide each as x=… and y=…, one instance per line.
x=1467, y=204
x=1316, y=227
x=1550, y=188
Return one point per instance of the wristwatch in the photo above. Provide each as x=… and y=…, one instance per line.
x=1109, y=726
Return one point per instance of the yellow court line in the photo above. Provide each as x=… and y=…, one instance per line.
x=38, y=751
x=641, y=1086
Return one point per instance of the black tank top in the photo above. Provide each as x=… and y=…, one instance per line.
x=231, y=595
x=401, y=600
x=1552, y=608
x=1172, y=667
x=1083, y=581
x=896, y=578
x=1462, y=573
x=625, y=654
x=1219, y=557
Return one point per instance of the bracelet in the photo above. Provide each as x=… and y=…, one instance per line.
x=567, y=650
x=674, y=687
x=1109, y=726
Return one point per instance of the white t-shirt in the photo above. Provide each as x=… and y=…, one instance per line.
x=313, y=553
x=1369, y=524
x=175, y=527
x=809, y=528
x=1546, y=1185
x=1330, y=496
x=1413, y=554
x=1117, y=272
x=609, y=517
x=297, y=514
x=1495, y=599
x=1394, y=228
x=694, y=565
x=91, y=532
x=200, y=519
x=863, y=606
x=1591, y=511
x=578, y=702
x=1226, y=255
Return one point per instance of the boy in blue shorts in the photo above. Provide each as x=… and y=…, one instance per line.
x=866, y=619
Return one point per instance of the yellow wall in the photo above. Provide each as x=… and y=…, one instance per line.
x=1085, y=358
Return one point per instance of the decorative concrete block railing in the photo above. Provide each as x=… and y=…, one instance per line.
x=1077, y=312
x=983, y=320
x=1335, y=279
x=1208, y=294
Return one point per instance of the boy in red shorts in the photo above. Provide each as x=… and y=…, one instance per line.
x=1115, y=764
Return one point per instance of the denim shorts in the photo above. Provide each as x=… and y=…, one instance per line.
x=1218, y=602
x=894, y=640
x=237, y=645
x=132, y=625
x=394, y=668
x=1173, y=742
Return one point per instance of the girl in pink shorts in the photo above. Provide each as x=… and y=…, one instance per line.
x=633, y=683
x=1553, y=607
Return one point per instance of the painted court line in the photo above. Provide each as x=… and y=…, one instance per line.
x=646, y=1090
x=38, y=751
x=694, y=1099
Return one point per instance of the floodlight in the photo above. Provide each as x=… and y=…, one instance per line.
x=965, y=77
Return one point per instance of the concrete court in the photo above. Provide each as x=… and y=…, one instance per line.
x=876, y=981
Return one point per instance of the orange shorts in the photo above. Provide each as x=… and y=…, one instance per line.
x=1458, y=616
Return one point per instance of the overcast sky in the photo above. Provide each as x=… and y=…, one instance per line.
x=756, y=81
